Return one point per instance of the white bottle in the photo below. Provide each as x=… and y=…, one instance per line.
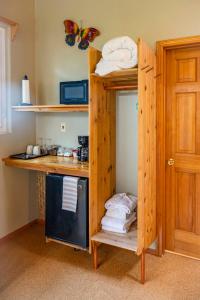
x=25, y=91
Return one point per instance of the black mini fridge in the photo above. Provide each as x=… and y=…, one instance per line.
x=63, y=225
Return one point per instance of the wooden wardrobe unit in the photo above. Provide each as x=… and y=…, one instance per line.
x=102, y=168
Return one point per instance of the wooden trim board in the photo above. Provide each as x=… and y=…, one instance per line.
x=17, y=231
x=182, y=254
x=14, y=26
x=179, y=42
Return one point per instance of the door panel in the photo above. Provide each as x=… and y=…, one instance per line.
x=183, y=146
x=185, y=127
x=186, y=70
x=184, y=201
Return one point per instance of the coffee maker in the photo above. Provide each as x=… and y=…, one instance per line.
x=83, y=150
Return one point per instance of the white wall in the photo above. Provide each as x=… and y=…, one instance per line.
x=48, y=127
x=17, y=187
x=55, y=61
x=127, y=143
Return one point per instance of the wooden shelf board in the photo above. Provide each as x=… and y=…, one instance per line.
x=124, y=73
x=119, y=78
x=51, y=164
x=52, y=108
x=121, y=87
x=126, y=241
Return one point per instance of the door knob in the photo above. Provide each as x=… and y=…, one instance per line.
x=171, y=162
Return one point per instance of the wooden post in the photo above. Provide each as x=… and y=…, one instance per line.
x=142, y=280
x=95, y=254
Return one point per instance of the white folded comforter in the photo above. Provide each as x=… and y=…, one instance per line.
x=118, y=53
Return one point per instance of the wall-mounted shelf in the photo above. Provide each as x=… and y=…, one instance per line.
x=52, y=108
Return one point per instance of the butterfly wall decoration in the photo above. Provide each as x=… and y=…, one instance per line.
x=83, y=36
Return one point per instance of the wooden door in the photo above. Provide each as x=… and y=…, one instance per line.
x=183, y=151
x=146, y=212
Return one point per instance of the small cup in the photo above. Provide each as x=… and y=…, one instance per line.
x=36, y=150
x=60, y=151
x=75, y=153
x=29, y=149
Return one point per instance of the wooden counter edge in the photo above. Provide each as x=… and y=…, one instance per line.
x=58, y=169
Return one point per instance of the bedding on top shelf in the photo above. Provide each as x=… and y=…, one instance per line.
x=118, y=53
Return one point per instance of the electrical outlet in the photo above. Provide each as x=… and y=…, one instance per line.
x=63, y=127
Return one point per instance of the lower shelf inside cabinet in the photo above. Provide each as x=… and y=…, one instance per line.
x=122, y=240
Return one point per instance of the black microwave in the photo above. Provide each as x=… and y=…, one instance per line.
x=74, y=92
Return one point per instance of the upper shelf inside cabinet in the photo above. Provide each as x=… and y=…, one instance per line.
x=127, y=79
x=52, y=108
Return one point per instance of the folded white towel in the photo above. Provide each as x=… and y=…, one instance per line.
x=115, y=230
x=117, y=213
x=70, y=191
x=118, y=53
x=124, y=202
x=116, y=225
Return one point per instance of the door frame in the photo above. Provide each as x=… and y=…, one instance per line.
x=161, y=50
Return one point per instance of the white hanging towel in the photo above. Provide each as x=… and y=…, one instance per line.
x=124, y=202
x=118, y=53
x=70, y=193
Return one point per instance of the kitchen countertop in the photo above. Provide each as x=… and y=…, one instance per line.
x=51, y=164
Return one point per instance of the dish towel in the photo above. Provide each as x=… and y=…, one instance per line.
x=125, y=202
x=118, y=53
x=70, y=193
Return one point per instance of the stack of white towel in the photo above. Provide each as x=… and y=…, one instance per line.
x=118, y=53
x=120, y=214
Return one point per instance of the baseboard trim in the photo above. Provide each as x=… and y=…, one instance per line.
x=41, y=221
x=17, y=231
x=181, y=254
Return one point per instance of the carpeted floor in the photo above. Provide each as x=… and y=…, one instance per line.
x=31, y=269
